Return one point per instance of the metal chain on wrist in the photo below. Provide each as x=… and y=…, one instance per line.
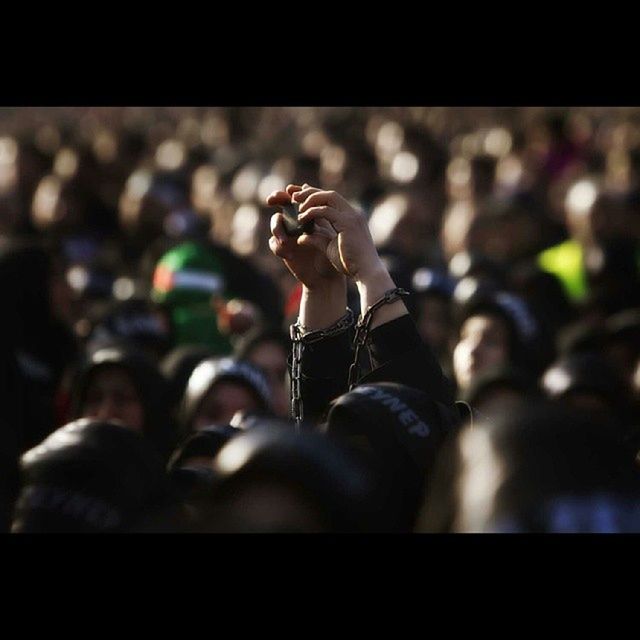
x=362, y=329
x=301, y=337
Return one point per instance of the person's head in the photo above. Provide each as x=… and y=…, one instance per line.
x=218, y=388
x=484, y=342
x=276, y=480
x=122, y=385
x=495, y=329
x=542, y=468
x=92, y=477
x=185, y=280
x=396, y=431
x=112, y=395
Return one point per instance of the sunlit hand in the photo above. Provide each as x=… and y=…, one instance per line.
x=305, y=256
x=351, y=250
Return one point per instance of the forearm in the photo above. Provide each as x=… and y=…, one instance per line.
x=324, y=363
x=324, y=373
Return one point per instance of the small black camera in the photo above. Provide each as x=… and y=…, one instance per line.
x=290, y=219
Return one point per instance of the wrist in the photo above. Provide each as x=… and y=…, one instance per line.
x=371, y=273
x=326, y=286
x=320, y=307
x=373, y=284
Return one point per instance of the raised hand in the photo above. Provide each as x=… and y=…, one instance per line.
x=351, y=250
x=305, y=256
x=324, y=292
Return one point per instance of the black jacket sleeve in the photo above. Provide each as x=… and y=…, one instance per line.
x=396, y=353
x=324, y=373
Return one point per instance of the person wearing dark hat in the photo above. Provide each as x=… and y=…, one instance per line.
x=495, y=329
x=92, y=476
x=122, y=384
x=323, y=365
x=220, y=387
x=275, y=480
x=396, y=431
x=546, y=468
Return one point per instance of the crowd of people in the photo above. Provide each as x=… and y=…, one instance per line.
x=335, y=319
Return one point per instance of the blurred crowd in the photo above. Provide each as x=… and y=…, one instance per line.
x=145, y=351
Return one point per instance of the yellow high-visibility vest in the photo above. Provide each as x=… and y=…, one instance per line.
x=566, y=262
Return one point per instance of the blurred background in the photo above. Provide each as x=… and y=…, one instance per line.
x=155, y=230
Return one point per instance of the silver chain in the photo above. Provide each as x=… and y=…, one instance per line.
x=301, y=337
x=362, y=330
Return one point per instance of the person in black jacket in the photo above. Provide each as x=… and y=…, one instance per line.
x=340, y=247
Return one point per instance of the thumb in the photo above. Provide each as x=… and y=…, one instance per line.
x=315, y=240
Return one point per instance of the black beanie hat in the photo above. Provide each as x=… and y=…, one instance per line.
x=89, y=476
x=213, y=370
x=312, y=465
x=530, y=345
x=399, y=430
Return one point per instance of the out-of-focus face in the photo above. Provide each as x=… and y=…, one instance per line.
x=112, y=395
x=272, y=359
x=483, y=344
x=222, y=402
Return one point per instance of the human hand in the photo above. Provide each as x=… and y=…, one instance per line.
x=304, y=256
x=351, y=249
